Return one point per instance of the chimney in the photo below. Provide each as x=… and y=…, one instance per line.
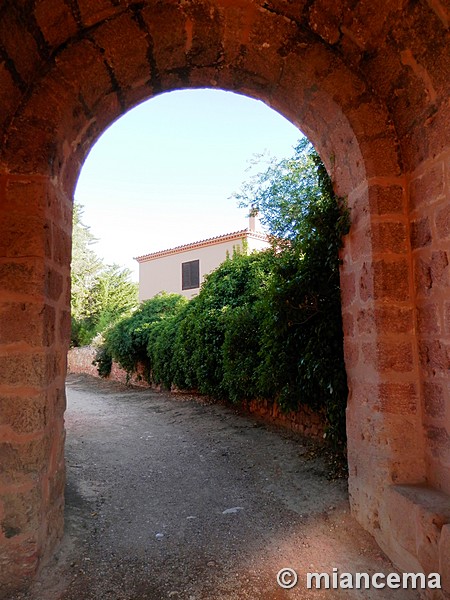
x=253, y=220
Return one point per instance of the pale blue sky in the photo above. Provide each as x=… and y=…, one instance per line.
x=163, y=174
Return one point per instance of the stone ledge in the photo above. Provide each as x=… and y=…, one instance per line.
x=417, y=528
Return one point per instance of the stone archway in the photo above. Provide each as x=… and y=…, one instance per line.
x=369, y=86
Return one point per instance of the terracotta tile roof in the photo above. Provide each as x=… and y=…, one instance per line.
x=227, y=237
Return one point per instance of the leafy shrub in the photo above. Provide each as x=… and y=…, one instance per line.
x=127, y=341
x=185, y=343
x=302, y=339
x=241, y=351
x=236, y=285
x=103, y=360
x=160, y=350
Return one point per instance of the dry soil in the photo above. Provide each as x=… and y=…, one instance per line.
x=169, y=497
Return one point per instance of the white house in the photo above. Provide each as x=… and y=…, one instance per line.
x=182, y=269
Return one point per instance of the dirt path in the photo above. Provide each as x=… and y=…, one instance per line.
x=174, y=499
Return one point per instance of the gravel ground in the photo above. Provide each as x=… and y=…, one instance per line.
x=168, y=497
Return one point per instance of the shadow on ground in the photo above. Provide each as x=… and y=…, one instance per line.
x=171, y=498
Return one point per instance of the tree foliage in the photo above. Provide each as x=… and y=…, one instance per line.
x=101, y=294
x=302, y=340
x=295, y=201
x=86, y=265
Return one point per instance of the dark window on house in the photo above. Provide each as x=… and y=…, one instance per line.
x=190, y=275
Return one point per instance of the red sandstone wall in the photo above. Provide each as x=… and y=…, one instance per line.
x=35, y=248
x=430, y=242
x=368, y=82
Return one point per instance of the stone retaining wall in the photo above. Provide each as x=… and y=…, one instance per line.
x=79, y=360
x=304, y=421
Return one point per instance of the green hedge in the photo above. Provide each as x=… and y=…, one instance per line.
x=258, y=328
x=127, y=341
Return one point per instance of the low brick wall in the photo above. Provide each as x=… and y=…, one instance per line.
x=304, y=421
x=79, y=360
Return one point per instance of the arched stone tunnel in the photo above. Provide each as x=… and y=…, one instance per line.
x=369, y=83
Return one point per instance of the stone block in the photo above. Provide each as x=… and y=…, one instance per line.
x=351, y=353
x=398, y=509
x=22, y=459
x=434, y=399
x=386, y=200
x=420, y=233
x=348, y=288
x=430, y=518
x=172, y=51
x=10, y=93
x=61, y=246
x=387, y=355
x=56, y=22
x=438, y=439
x=18, y=564
x=25, y=414
x=56, y=486
x=360, y=243
x=385, y=319
x=428, y=187
x=447, y=318
x=324, y=22
x=384, y=280
x=32, y=323
x=384, y=159
x=434, y=356
x=53, y=284
x=428, y=319
x=422, y=276
x=24, y=369
x=64, y=326
x=439, y=269
x=24, y=56
x=397, y=398
x=37, y=197
x=443, y=223
x=348, y=325
x=23, y=276
x=388, y=237
x=127, y=50
x=93, y=78
x=21, y=513
x=55, y=525
x=94, y=11
x=418, y=521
